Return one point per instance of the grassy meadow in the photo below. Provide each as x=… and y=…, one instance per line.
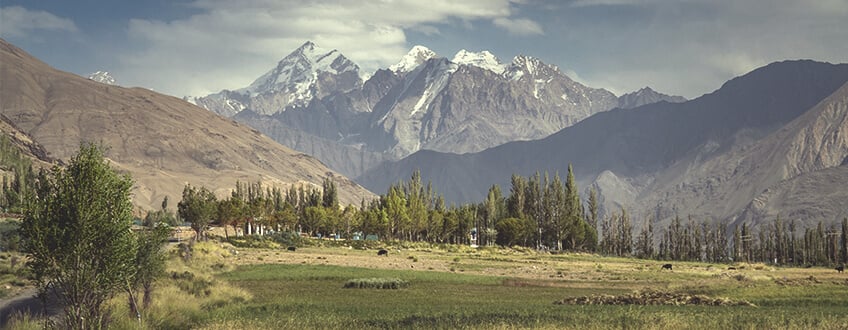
x=224, y=287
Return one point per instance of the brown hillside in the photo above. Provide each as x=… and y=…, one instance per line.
x=164, y=142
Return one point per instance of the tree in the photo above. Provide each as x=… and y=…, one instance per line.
x=513, y=231
x=76, y=231
x=592, y=215
x=149, y=263
x=844, y=242
x=198, y=206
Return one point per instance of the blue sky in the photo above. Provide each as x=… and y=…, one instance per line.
x=194, y=47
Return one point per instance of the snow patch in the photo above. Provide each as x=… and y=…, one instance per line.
x=102, y=77
x=484, y=60
x=415, y=57
x=435, y=83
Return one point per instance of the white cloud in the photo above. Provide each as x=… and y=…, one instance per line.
x=230, y=43
x=18, y=22
x=519, y=26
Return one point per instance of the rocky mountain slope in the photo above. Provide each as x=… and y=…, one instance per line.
x=27, y=146
x=164, y=142
x=424, y=102
x=712, y=157
x=644, y=96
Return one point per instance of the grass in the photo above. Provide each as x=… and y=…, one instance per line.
x=270, y=288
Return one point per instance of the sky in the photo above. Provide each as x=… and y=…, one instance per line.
x=197, y=47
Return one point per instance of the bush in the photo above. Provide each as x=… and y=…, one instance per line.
x=376, y=283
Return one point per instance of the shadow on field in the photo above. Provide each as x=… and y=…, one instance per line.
x=26, y=303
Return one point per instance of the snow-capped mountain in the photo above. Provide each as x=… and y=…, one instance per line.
x=483, y=60
x=644, y=96
x=307, y=73
x=313, y=101
x=102, y=77
x=415, y=57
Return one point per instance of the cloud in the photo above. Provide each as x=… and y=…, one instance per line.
x=19, y=22
x=691, y=47
x=519, y=26
x=230, y=43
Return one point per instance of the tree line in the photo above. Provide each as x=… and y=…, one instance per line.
x=540, y=211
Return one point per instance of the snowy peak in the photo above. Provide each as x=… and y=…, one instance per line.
x=415, y=57
x=532, y=66
x=484, y=60
x=102, y=77
x=299, y=69
x=644, y=96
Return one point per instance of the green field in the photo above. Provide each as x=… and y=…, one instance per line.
x=312, y=295
x=482, y=289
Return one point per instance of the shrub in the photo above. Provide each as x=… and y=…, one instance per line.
x=376, y=283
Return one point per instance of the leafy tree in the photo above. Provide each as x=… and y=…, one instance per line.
x=77, y=234
x=312, y=219
x=513, y=231
x=229, y=211
x=198, y=206
x=330, y=196
x=149, y=263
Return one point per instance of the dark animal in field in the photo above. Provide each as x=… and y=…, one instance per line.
x=666, y=266
x=731, y=268
x=808, y=266
x=383, y=252
x=840, y=269
x=292, y=248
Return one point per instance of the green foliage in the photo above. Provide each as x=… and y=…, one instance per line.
x=18, y=188
x=77, y=234
x=149, y=261
x=10, y=238
x=513, y=231
x=197, y=206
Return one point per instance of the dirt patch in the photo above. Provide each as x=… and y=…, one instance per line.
x=651, y=297
x=807, y=281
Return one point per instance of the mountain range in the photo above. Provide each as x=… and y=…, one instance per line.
x=316, y=100
x=768, y=143
x=162, y=141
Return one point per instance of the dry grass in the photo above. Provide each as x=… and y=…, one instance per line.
x=653, y=297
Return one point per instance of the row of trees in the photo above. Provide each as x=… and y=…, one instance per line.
x=778, y=242
x=540, y=212
x=257, y=210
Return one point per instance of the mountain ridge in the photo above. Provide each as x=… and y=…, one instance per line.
x=657, y=144
x=164, y=142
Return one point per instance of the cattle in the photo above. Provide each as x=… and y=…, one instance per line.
x=666, y=266
x=383, y=252
x=840, y=269
x=292, y=248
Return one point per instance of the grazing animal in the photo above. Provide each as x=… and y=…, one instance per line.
x=383, y=252
x=840, y=269
x=731, y=268
x=292, y=248
x=666, y=266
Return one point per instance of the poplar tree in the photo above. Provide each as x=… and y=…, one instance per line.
x=76, y=231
